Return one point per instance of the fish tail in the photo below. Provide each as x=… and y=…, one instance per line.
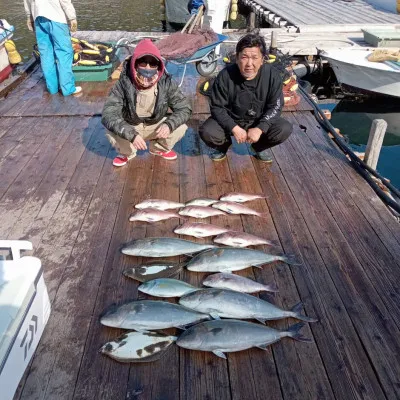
x=263, y=215
x=296, y=309
x=290, y=259
x=271, y=287
x=294, y=332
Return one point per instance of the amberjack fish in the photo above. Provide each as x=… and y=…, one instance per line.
x=164, y=287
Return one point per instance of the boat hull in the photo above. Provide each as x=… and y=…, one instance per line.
x=360, y=73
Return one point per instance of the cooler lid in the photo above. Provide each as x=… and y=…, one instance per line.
x=18, y=279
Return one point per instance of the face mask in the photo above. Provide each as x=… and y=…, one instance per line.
x=147, y=73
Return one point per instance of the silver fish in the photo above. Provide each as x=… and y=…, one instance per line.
x=163, y=247
x=223, y=303
x=233, y=259
x=146, y=315
x=227, y=336
x=149, y=271
x=235, y=208
x=164, y=287
x=240, y=197
x=201, y=201
x=152, y=215
x=241, y=239
x=237, y=283
x=159, y=204
x=138, y=346
x=199, y=229
x=200, y=212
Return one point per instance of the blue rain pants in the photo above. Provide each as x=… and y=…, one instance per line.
x=56, y=55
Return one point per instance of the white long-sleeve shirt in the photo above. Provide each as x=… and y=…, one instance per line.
x=54, y=10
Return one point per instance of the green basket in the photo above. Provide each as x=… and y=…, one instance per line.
x=96, y=73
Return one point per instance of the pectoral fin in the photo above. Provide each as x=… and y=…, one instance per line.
x=261, y=320
x=214, y=315
x=263, y=346
x=219, y=353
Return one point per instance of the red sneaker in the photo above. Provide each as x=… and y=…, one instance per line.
x=167, y=155
x=120, y=161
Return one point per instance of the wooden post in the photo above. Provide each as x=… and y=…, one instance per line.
x=375, y=140
x=274, y=43
x=252, y=20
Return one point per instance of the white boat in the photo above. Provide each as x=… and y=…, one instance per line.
x=352, y=68
x=6, y=33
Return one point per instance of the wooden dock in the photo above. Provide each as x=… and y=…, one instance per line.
x=316, y=12
x=58, y=189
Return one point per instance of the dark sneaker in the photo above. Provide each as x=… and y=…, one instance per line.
x=217, y=155
x=264, y=156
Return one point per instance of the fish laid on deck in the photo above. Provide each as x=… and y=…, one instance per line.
x=138, y=346
x=152, y=215
x=201, y=201
x=241, y=239
x=149, y=271
x=233, y=259
x=199, y=229
x=240, y=197
x=237, y=283
x=159, y=204
x=235, y=208
x=164, y=287
x=227, y=336
x=222, y=303
x=163, y=247
x=146, y=315
x=200, y=212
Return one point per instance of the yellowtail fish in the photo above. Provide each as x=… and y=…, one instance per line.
x=227, y=336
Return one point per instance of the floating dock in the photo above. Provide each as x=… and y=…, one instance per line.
x=60, y=191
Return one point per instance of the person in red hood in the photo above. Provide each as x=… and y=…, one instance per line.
x=137, y=108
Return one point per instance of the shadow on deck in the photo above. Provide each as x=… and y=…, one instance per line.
x=59, y=190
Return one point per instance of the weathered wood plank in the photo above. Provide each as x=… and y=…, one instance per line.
x=298, y=379
x=79, y=288
x=24, y=187
x=159, y=379
x=99, y=376
x=202, y=374
x=356, y=291
x=19, y=96
x=40, y=208
x=13, y=135
x=382, y=221
x=366, y=243
x=14, y=162
x=244, y=367
x=337, y=341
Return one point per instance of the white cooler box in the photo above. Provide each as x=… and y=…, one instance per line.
x=24, y=312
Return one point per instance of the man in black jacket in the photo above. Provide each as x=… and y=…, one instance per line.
x=246, y=102
x=136, y=109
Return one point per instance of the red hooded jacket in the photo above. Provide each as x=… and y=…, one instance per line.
x=146, y=48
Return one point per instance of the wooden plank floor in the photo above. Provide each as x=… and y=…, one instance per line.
x=58, y=188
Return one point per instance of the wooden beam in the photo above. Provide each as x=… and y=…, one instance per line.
x=375, y=140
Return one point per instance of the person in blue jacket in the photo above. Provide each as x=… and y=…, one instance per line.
x=52, y=21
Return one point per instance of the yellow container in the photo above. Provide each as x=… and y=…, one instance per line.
x=233, y=15
x=13, y=56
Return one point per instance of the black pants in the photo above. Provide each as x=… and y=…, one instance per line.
x=214, y=136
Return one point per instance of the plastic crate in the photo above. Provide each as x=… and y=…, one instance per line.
x=382, y=38
x=95, y=73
